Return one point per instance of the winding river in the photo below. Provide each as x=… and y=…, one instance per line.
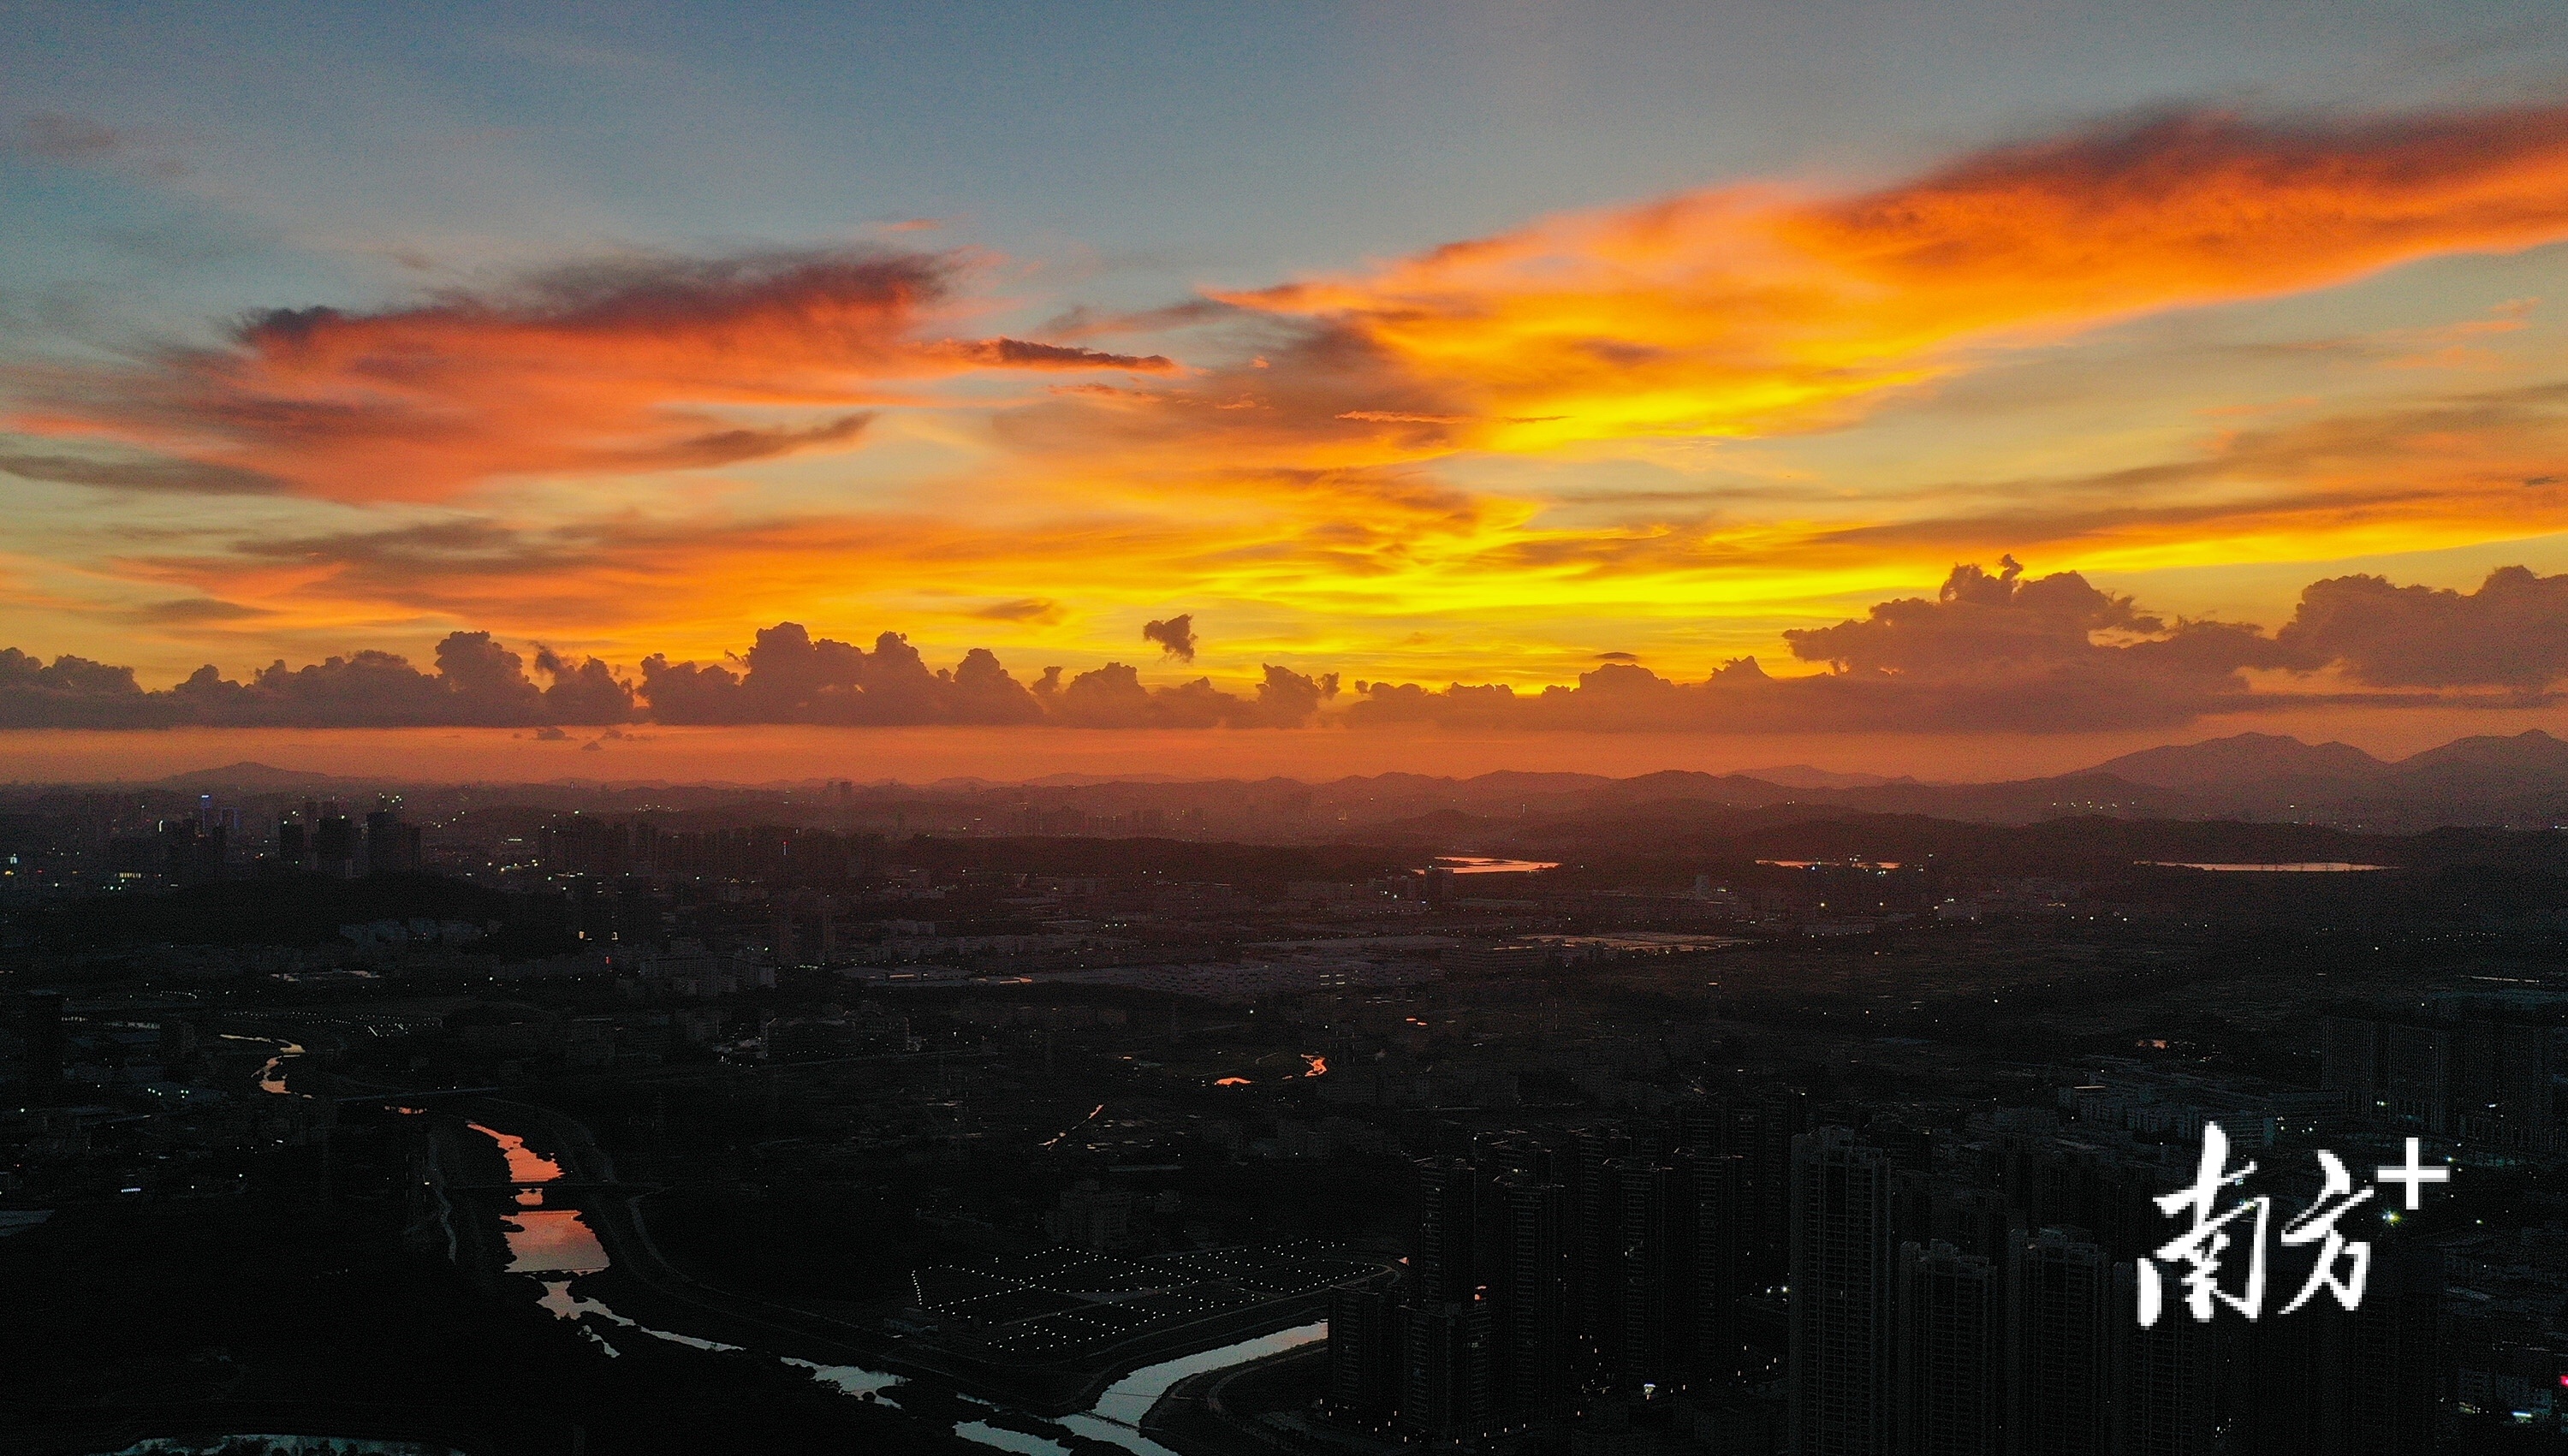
x=555, y=1247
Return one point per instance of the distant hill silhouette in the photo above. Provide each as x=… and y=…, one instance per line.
x=2490, y=781
x=1802, y=775
x=2531, y=754
x=2240, y=759
x=256, y=778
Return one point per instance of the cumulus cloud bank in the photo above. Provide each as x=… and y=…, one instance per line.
x=1999, y=650
x=477, y=682
x=2052, y=654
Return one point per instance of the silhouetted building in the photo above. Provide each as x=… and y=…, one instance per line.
x=1595, y=1283
x=2058, y=1298
x=1766, y=1130
x=1642, y=1346
x=2389, y=1353
x=1444, y=1370
x=1949, y=1354
x=2502, y=1077
x=334, y=843
x=2480, y=1077
x=2166, y=1379
x=1839, y=1394
x=1533, y=1299
x=1440, y=1255
x=1363, y=1355
x=392, y=848
x=1973, y=1221
x=1710, y=1187
x=191, y=851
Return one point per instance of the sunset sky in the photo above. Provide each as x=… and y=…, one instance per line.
x=1338, y=355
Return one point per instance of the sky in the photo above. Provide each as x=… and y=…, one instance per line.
x=1954, y=384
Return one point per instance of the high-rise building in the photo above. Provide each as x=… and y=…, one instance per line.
x=2484, y=1077
x=1949, y=1354
x=1766, y=1129
x=1445, y=1369
x=334, y=843
x=2350, y=1056
x=1973, y=1221
x=392, y=848
x=1643, y=1346
x=2166, y=1379
x=1838, y=1387
x=1441, y=1259
x=2389, y=1353
x=192, y=851
x=2058, y=1301
x=2415, y=1079
x=1595, y=1284
x=1532, y=1299
x=1709, y=1206
x=2502, y=1077
x=1363, y=1355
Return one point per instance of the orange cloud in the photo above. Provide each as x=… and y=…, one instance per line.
x=629, y=367
x=683, y=585
x=1756, y=310
x=1410, y=468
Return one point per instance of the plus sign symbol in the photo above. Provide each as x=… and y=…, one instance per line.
x=2413, y=1175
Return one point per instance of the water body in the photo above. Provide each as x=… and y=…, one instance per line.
x=561, y=1304
x=271, y=1076
x=1007, y=1440
x=2300, y=867
x=552, y=1241
x=1117, y=1416
x=560, y=1242
x=1464, y=864
x=851, y=1379
x=524, y=1164
x=541, y=1240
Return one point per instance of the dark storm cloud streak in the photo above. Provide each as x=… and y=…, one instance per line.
x=1992, y=651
